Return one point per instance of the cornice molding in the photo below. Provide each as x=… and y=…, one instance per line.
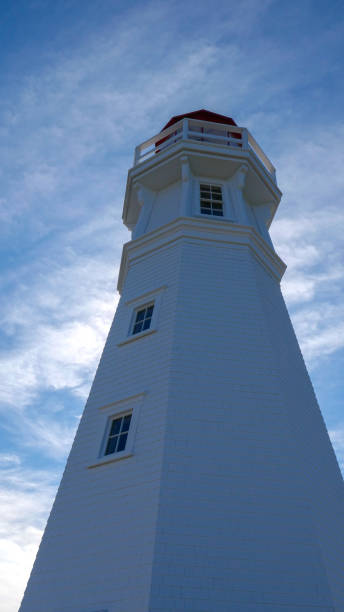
x=176, y=156
x=196, y=229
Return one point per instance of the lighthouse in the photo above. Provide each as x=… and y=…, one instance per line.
x=201, y=477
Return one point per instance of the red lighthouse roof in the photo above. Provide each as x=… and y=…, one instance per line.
x=203, y=115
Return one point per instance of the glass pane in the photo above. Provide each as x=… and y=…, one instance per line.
x=122, y=442
x=205, y=187
x=217, y=205
x=149, y=311
x=137, y=328
x=215, y=189
x=218, y=213
x=205, y=211
x=115, y=427
x=217, y=196
x=126, y=422
x=205, y=203
x=111, y=445
x=140, y=315
x=146, y=324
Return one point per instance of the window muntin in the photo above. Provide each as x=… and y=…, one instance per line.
x=211, y=200
x=118, y=434
x=143, y=318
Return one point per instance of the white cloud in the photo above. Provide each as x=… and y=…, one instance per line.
x=47, y=435
x=58, y=321
x=320, y=329
x=54, y=358
x=25, y=498
x=9, y=459
x=298, y=288
x=324, y=342
x=310, y=238
x=55, y=322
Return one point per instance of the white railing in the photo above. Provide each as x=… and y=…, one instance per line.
x=203, y=131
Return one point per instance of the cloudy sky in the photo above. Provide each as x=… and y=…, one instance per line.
x=83, y=82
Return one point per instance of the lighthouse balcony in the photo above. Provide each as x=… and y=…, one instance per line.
x=205, y=147
x=229, y=138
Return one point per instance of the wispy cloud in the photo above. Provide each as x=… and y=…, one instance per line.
x=25, y=498
x=320, y=330
x=308, y=235
x=55, y=326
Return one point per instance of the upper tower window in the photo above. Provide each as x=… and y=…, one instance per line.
x=211, y=200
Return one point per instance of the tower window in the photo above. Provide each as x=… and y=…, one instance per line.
x=118, y=434
x=143, y=318
x=211, y=200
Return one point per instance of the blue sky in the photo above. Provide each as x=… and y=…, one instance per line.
x=82, y=83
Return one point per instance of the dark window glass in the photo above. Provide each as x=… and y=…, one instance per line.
x=126, y=422
x=115, y=427
x=211, y=200
x=118, y=434
x=143, y=319
x=122, y=442
x=111, y=445
x=140, y=315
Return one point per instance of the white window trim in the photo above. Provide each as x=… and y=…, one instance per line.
x=228, y=212
x=108, y=414
x=134, y=316
x=144, y=300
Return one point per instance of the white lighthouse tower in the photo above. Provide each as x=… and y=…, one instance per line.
x=201, y=478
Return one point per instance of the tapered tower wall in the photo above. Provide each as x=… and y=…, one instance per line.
x=317, y=468
x=239, y=526
x=96, y=553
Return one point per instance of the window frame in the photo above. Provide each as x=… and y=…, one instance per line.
x=130, y=405
x=227, y=206
x=138, y=303
x=134, y=321
x=211, y=200
x=109, y=436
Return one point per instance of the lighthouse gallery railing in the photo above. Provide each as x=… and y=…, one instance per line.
x=203, y=131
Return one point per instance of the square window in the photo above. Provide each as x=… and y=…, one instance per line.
x=117, y=430
x=211, y=200
x=141, y=315
x=118, y=434
x=143, y=318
